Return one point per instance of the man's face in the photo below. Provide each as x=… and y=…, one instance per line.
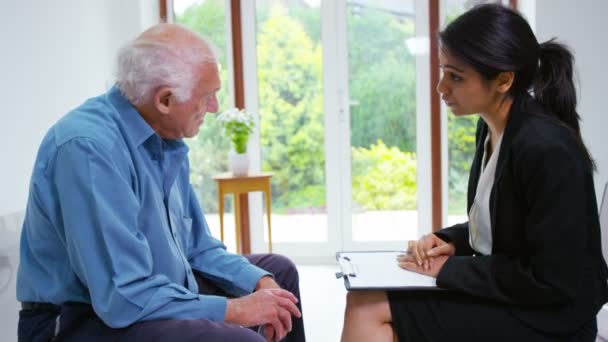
x=186, y=117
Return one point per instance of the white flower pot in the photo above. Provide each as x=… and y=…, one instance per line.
x=239, y=163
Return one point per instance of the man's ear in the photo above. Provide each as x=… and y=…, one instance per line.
x=505, y=81
x=163, y=100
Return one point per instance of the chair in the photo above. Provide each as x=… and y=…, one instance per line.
x=602, y=316
x=10, y=231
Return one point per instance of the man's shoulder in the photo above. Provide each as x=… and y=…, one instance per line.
x=94, y=120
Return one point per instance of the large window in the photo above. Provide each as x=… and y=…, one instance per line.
x=336, y=93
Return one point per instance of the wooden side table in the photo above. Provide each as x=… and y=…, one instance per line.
x=240, y=187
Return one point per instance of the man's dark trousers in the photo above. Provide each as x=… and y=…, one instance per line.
x=78, y=322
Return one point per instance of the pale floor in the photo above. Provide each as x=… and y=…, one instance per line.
x=323, y=302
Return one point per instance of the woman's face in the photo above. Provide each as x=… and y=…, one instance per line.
x=463, y=89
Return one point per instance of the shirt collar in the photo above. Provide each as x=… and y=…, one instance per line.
x=137, y=129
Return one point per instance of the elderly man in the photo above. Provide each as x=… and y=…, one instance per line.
x=114, y=245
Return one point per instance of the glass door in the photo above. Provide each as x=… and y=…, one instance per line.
x=384, y=56
x=284, y=76
x=337, y=88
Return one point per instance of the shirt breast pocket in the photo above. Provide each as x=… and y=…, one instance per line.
x=187, y=224
x=186, y=229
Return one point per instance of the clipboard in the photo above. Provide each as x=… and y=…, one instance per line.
x=378, y=270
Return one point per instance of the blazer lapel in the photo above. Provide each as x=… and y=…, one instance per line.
x=513, y=124
x=522, y=107
x=482, y=131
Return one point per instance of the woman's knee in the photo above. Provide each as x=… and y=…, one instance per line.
x=359, y=298
x=354, y=300
x=369, y=303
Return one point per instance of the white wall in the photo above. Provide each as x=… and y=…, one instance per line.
x=54, y=55
x=581, y=24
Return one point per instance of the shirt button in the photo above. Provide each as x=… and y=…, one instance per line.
x=189, y=271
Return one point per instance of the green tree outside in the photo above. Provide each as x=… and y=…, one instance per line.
x=384, y=178
x=382, y=79
x=291, y=111
x=461, y=149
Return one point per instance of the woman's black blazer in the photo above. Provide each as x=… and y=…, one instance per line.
x=546, y=261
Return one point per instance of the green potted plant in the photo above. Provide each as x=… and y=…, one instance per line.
x=238, y=125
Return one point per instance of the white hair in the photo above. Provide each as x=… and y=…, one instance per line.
x=144, y=65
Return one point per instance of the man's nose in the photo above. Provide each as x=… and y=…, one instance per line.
x=213, y=105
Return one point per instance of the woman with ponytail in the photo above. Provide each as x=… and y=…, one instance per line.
x=528, y=265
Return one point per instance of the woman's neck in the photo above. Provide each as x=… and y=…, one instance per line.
x=496, y=118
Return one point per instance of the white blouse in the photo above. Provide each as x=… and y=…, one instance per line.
x=480, y=224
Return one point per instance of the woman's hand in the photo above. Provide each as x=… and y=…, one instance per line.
x=436, y=263
x=422, y=252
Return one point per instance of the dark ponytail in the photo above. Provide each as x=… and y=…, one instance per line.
x=492, y=39
x=553, y=87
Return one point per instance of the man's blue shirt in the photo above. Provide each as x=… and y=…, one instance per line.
x=113, y=221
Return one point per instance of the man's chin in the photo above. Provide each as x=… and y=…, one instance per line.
x=192, y=133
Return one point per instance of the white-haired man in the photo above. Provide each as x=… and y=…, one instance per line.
x=114, y=244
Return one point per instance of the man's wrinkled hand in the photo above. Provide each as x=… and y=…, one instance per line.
x=271, y=307
x=266, y=282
